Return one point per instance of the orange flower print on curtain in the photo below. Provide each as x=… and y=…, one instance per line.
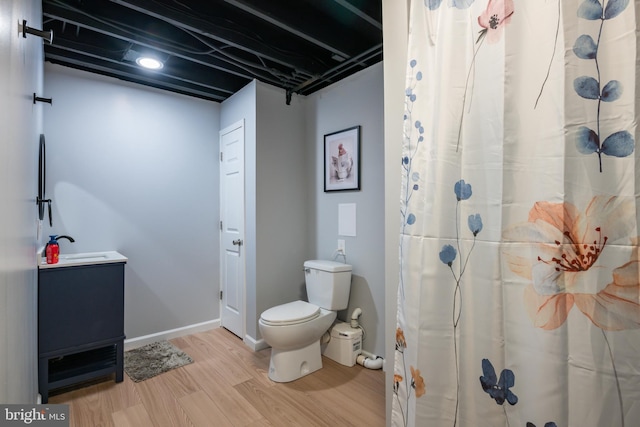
x=417, y=382
x=571, y=261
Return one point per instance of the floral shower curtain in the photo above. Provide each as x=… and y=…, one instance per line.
x=519, y=292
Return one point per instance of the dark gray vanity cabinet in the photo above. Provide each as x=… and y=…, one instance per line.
x=80, y=324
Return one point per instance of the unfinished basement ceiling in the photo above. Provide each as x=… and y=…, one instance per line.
x=212, y=48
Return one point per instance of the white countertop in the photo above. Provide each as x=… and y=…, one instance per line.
x=88, y=258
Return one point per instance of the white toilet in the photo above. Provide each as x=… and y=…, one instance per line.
x=293, y=330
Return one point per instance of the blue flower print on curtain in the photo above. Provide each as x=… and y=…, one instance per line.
x=589, y=141
x=498, y=388
x=458, y=4
x=412, y=138
x=448, y=255
x=408, y=382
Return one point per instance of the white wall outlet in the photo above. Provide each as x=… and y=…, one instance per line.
x=341, y=246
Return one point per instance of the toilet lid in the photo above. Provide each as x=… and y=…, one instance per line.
x=290, y=313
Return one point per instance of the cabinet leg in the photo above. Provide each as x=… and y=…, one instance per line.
x=43, y=379
x=119, y=361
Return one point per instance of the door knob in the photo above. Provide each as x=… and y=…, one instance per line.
x=237, y=242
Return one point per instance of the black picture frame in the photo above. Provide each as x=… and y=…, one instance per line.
x=342, y=160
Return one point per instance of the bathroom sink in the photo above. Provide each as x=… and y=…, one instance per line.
x=68, y=260
x=85, y=257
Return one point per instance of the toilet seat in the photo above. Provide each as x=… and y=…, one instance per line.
x=291, y=313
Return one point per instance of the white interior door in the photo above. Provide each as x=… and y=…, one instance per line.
x=232, y=263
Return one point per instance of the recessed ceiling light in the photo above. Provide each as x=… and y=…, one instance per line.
x=149, y=63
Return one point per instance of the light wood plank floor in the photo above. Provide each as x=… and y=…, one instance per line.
x=227, y=385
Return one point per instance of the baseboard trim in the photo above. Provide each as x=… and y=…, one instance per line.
x=255, y=345
x=172, y=333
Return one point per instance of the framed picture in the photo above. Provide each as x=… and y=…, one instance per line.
x=342, y=160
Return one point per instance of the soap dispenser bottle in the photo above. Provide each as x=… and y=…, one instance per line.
x=52, y=250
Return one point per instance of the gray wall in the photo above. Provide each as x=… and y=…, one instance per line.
x=281, y=208
x=20, y=127
x=242, y=106
x=276, y=215
x=357, y=100
x=135, y=169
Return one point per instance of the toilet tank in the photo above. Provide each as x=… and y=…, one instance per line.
x=328, y=283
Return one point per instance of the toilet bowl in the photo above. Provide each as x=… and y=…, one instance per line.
x=294, y=338
x=293, y=330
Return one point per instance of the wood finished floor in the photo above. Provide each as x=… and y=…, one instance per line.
x=227, y=385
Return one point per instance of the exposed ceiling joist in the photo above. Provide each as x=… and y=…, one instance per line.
x=210, y=49
x=360, y=13
x=110, y=71
x=89, y=23
x=289, y=27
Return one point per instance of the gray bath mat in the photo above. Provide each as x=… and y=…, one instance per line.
x=153, y=359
